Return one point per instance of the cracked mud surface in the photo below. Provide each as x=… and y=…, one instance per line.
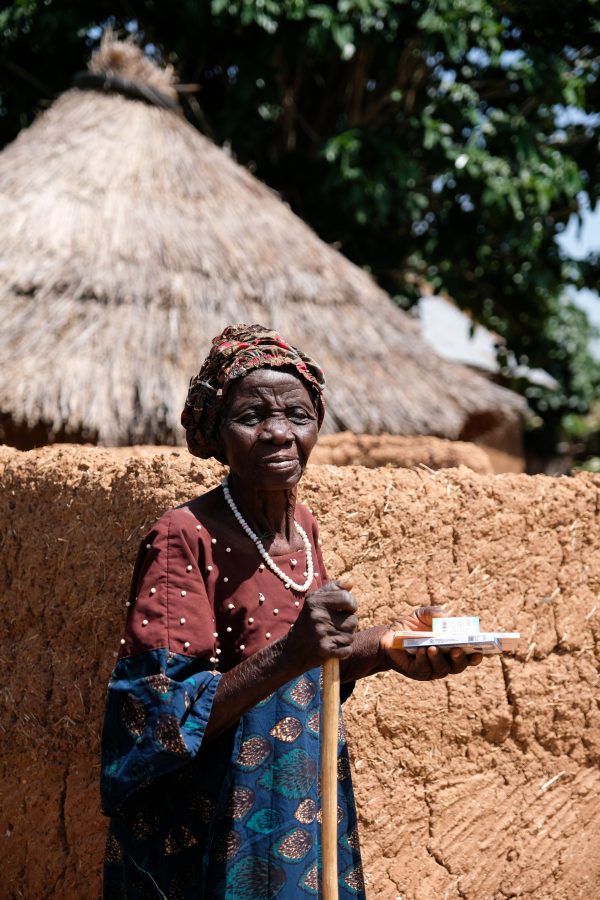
x=484, y=787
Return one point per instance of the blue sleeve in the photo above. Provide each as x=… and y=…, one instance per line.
x=157, y=709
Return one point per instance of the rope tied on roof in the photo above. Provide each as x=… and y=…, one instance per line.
x=116, y=84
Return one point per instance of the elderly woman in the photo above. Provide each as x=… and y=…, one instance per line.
x=211, y=738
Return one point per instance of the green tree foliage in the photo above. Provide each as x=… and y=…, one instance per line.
x=444, y=142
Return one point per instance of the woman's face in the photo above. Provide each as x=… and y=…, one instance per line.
x=268, y=429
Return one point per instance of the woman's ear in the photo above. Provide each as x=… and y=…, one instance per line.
x=219, y=455
x=219, y=451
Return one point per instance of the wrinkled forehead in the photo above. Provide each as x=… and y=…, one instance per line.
x=281, y=385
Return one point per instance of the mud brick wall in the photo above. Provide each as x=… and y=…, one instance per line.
x=485, y=786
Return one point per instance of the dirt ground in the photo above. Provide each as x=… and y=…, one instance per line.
x=485, y=787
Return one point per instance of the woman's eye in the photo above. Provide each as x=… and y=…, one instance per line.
x=298, y=415
x=249, y=419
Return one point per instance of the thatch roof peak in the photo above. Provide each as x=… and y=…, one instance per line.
x=128, y=240
x=125, y=59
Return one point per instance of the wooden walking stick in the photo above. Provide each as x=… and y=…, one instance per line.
x=329, y=779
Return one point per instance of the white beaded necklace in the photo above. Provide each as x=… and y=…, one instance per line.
x=289, y=582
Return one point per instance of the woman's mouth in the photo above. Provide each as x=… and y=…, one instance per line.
x=278, y=462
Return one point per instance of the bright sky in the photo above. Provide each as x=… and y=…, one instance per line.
x=579, y=242
x=448, y=330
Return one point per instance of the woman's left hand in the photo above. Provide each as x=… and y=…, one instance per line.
x=427, y=663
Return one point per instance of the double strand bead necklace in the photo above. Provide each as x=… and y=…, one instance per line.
x=289, y=582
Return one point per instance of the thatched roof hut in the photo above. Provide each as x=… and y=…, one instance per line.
x=128, y=240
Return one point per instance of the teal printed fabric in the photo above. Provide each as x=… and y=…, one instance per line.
x=157, y=708
x=237, y=819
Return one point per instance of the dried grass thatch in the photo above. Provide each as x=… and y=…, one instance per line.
x=128, y=240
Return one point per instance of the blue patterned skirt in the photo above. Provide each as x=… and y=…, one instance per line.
x=240, y=819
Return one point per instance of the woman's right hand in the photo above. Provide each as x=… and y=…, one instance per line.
x=325, y=627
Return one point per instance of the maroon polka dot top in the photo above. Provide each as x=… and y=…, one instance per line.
x=201, y=588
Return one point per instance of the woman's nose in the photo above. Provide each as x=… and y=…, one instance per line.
x=277, y=430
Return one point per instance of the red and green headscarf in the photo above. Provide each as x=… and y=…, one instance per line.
x=236, y=352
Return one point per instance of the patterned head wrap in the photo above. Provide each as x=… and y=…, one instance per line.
x=236, y=352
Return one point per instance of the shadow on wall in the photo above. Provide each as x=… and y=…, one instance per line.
x=29, y=437
x=502, y=441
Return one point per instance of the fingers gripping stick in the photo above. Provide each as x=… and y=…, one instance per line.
x=329, y=741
